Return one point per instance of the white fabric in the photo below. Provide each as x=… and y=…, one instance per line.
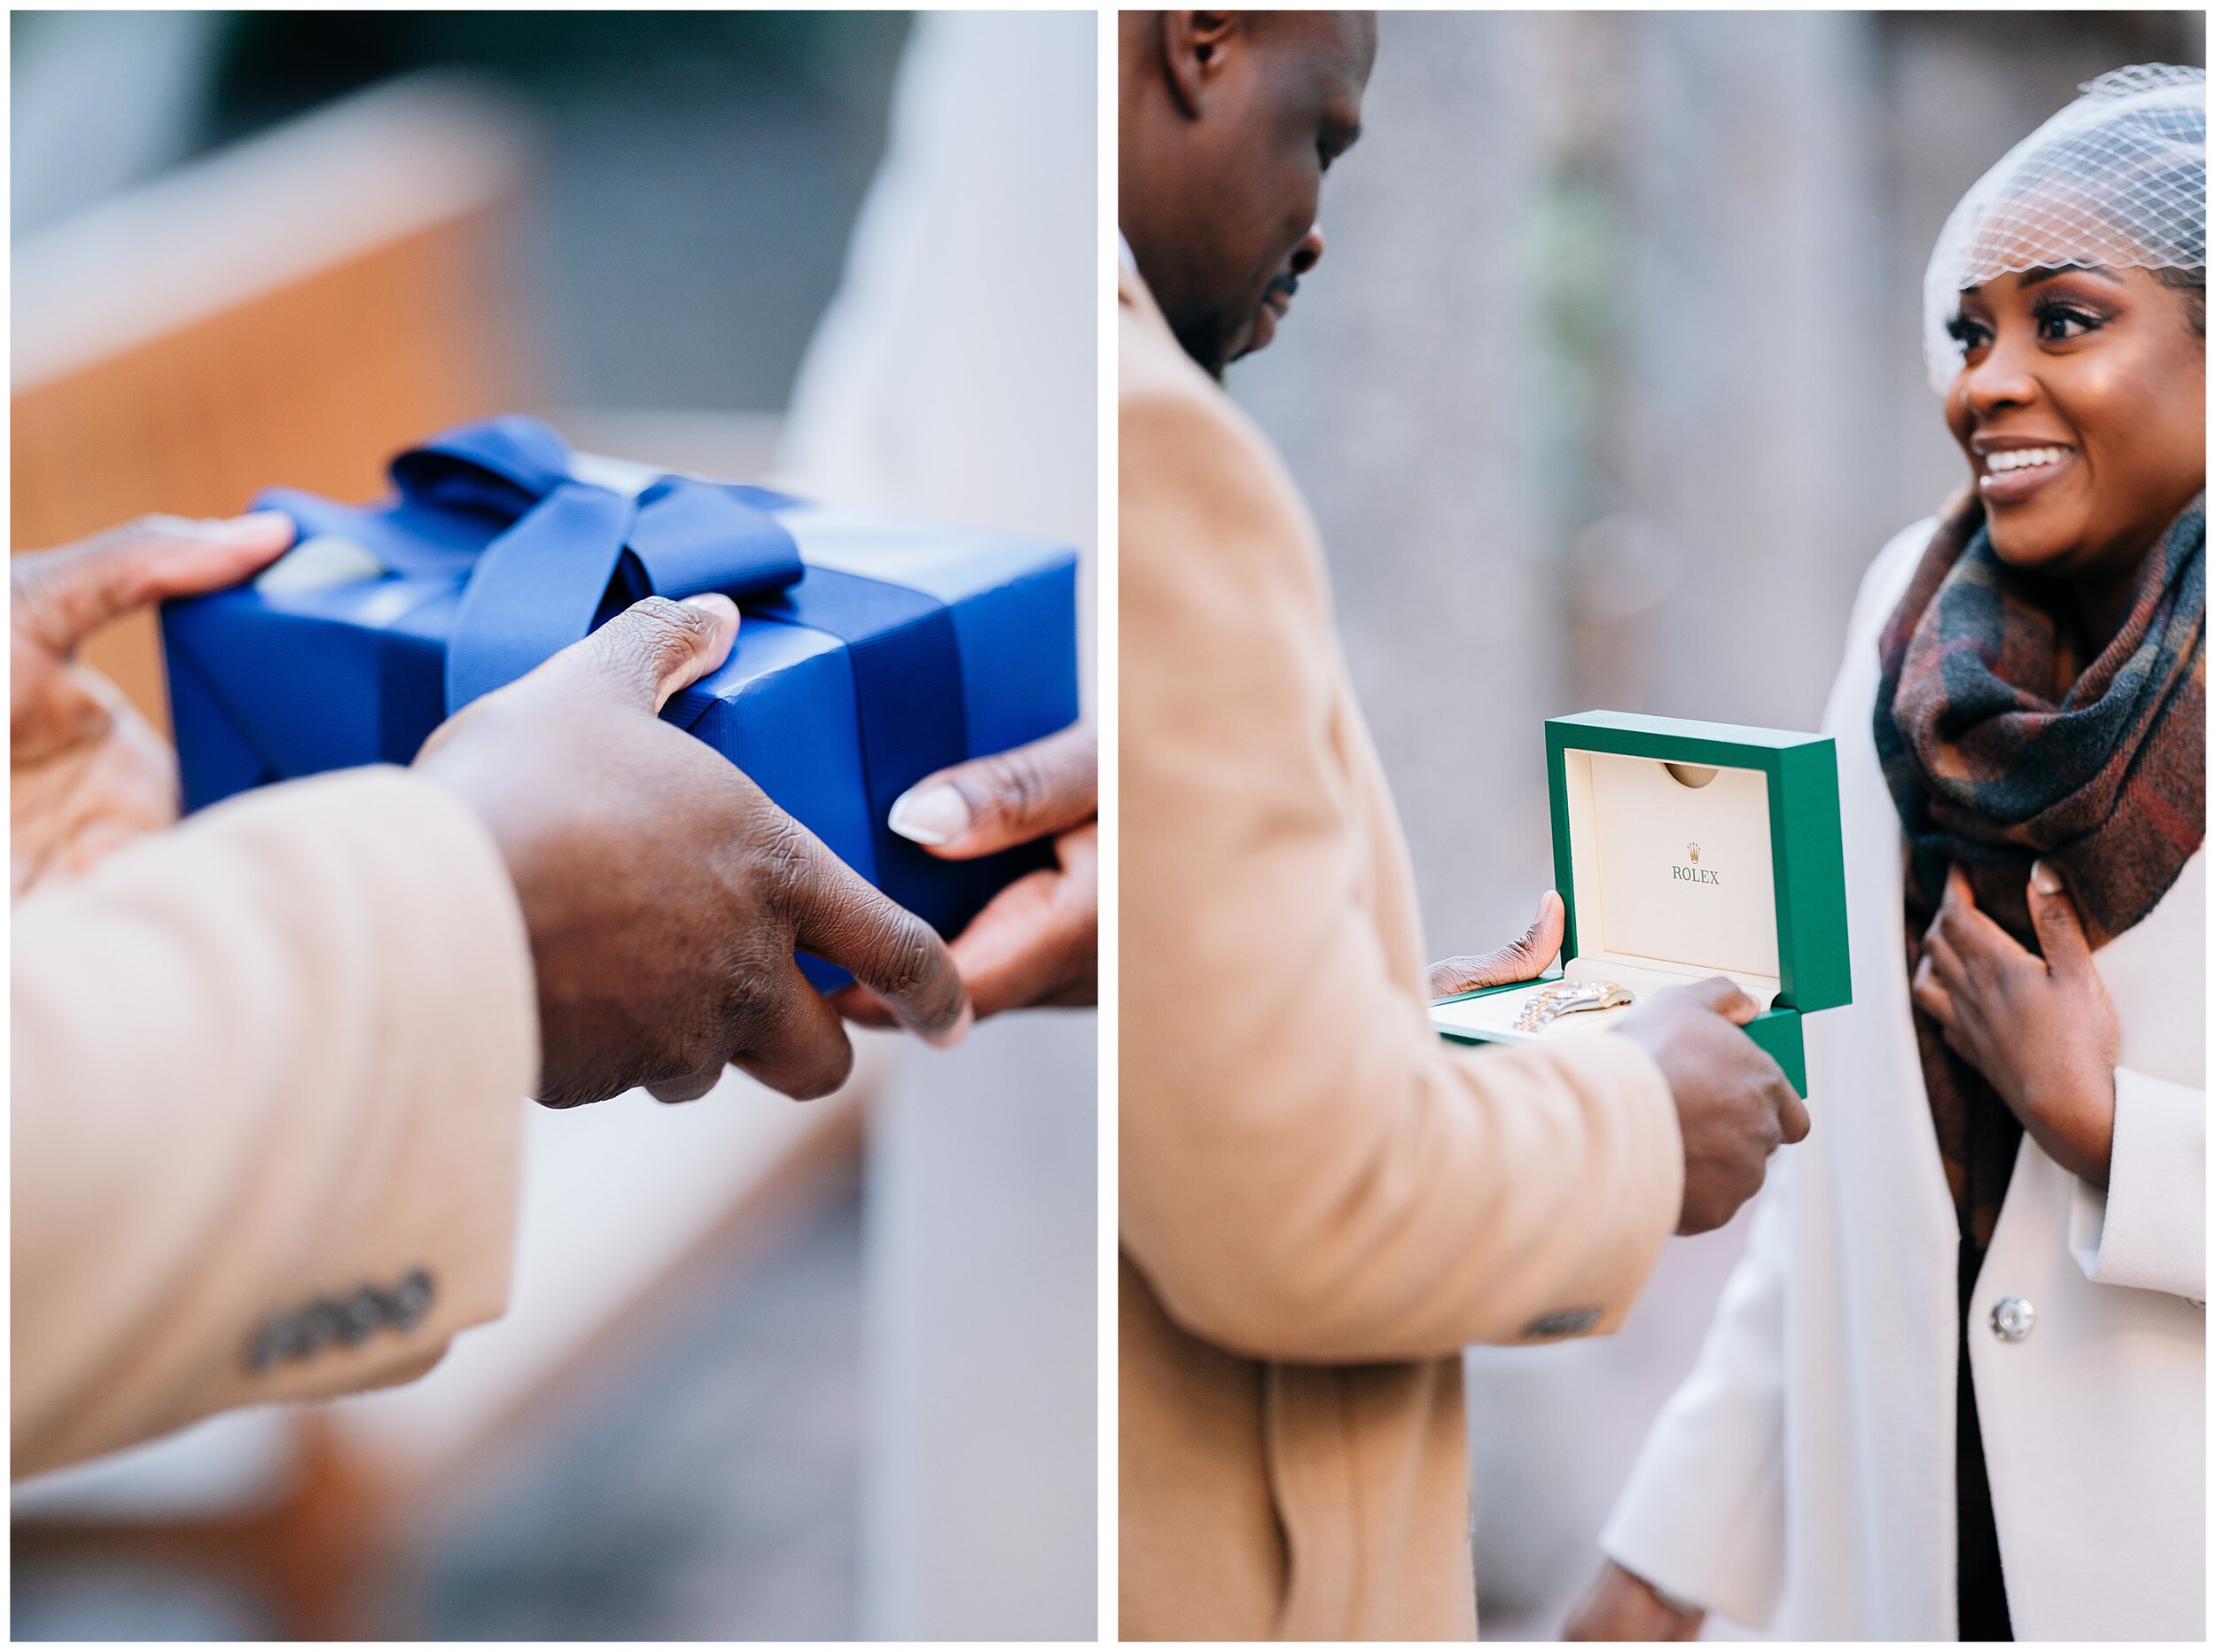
x=954, y=376
x=1803, y=1476
x=2118, y=179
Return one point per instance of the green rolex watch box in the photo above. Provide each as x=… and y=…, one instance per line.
x=1686, y=850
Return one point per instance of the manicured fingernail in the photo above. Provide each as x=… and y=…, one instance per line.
x=931, y=814
x=2045, y=878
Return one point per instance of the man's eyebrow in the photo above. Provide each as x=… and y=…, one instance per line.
x=2032, y=277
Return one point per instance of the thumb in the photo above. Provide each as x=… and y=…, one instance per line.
x=1520, y=960
x=2054, y=919
x=652, y=649
x=1013, y=796
x=61, y=596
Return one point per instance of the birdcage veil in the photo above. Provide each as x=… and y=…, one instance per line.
x=2120, y=178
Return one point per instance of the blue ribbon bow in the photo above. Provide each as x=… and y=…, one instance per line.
x=570, y=554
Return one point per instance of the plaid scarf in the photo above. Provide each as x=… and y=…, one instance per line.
x=2002, y=745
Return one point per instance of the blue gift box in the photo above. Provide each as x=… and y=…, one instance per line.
x=869, y=654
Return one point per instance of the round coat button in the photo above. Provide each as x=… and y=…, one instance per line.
x=2013, y=1319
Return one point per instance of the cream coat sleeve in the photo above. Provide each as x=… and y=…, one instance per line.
x=1307, y=1171
x=268, y=1070
x=2148, y=1229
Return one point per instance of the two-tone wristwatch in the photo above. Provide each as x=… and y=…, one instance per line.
x=1558, y=999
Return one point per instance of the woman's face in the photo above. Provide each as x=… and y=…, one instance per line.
x=2080, y=404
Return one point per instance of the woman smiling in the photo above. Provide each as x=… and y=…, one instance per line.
x=1956, y=1387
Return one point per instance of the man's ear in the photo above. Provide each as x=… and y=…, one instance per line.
x=1193, y=48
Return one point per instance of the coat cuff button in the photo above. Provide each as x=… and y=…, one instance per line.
x=411, y=1300
x=346, y=1322
x=363, y=1316
x=1566, y=1322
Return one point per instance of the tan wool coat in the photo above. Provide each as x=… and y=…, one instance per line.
x=269, y=1073
x=1322, y=1202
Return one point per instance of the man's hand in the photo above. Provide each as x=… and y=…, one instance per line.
x=1734, y=1103
x=2042, y=1030
x=86, y=772
x=1038, y=941
x=1622, y=1606
x=1519, y=960
x=663, y=894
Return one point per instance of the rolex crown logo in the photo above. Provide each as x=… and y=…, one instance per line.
x=1695, y=873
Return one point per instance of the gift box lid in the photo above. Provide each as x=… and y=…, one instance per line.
x=1690, y=849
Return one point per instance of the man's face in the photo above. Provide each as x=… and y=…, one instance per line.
x=1223, y=175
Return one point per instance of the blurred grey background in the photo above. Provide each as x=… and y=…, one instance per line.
x=769, y=1372
x=1608, y=388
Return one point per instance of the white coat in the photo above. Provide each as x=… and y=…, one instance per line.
x=1803, y=1476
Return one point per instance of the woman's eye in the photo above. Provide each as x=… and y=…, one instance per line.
x=2056, y=323
x=1971, y=335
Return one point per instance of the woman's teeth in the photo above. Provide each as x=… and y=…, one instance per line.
x=2023, y=459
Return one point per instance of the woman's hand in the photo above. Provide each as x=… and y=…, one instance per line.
x=1518, y=960
x=2043, y=1030
x=1622, y=1606
x=86, y=772
x=1037, y=942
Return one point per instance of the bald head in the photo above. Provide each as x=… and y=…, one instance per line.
x=1227, y=122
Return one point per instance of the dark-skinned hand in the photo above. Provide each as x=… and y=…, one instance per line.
x=2042, y=1030
x=1735, y=1105
x=1623, y=1606
x=1037, y=942
x=1521, y=959
x=665, y=894
x=87, y=773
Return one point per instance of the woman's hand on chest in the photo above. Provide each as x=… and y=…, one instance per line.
x=2042, y=1030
